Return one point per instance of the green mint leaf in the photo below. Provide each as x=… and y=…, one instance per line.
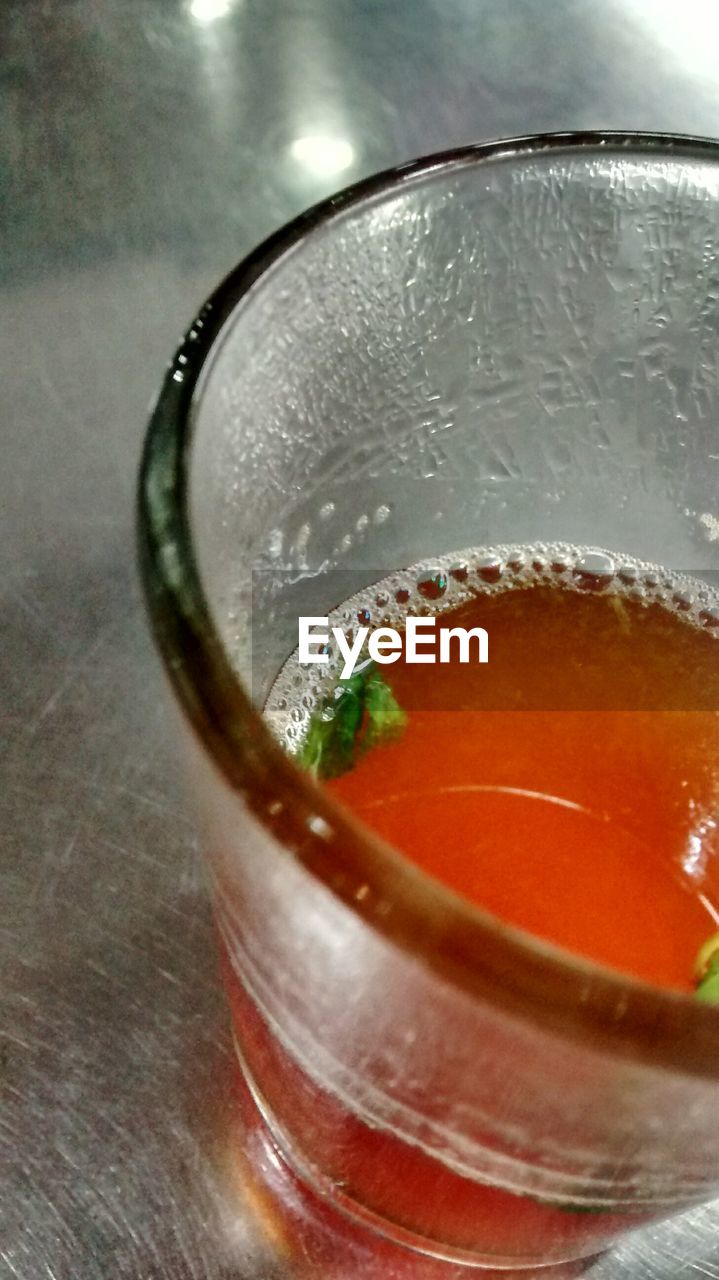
x=706, y=971
x=385, y=718
x=708, y=988
x=363, y=713
x=328, y=748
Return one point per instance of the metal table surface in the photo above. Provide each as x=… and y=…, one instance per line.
x=145, y=146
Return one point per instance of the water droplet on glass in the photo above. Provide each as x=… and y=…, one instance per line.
x=594, y=571
x=433, y=585
x=319, y=827
x=489, y=568
x=459, y=572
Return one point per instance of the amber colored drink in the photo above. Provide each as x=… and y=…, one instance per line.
x=569, y=787
x=395, y=1186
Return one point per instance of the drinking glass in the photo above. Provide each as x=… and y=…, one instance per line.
x=502, y=344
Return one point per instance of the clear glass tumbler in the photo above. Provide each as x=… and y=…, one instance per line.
x=508, y=343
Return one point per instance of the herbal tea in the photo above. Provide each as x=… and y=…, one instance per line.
x=569, y=787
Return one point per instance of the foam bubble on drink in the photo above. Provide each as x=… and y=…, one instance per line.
x=451, y=580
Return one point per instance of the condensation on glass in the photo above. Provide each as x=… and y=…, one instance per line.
x=502, y=347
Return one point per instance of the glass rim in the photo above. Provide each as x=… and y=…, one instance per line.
x=468, y=947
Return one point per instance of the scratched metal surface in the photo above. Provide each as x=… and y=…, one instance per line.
x=144, y=147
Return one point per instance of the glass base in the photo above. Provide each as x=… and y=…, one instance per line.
x=344, y=1225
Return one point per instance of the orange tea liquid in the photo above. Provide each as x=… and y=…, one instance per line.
x=569, y=787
